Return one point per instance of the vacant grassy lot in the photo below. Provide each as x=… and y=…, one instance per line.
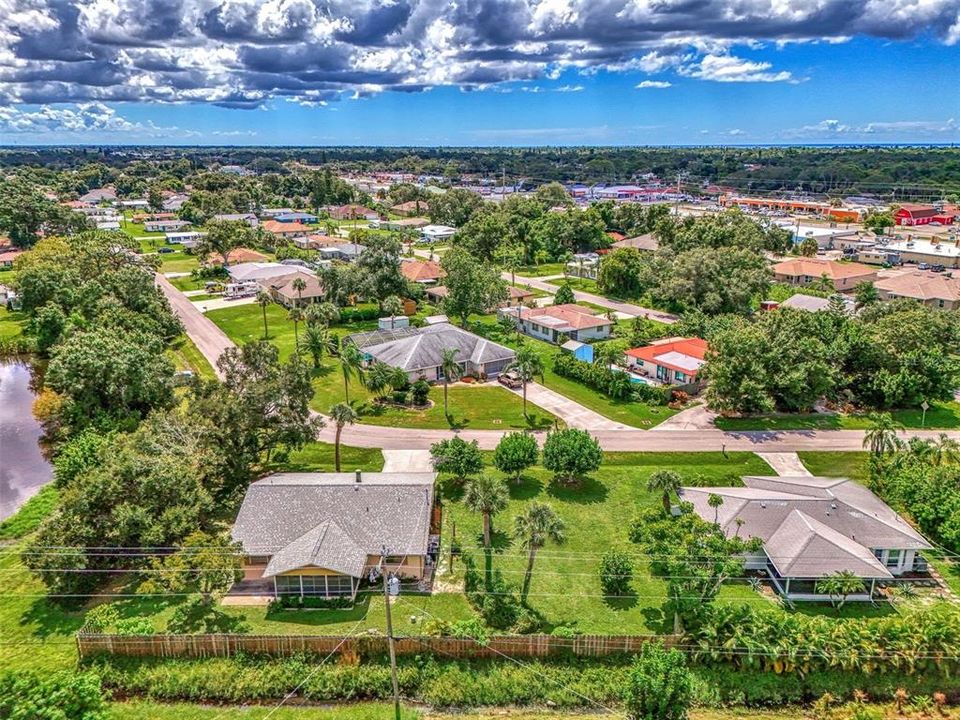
x=488, y=406
x=186, y=356
x=630, y=413
x=540, y=270
x=941, y=415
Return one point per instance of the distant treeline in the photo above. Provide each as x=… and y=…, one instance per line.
x=897, y=173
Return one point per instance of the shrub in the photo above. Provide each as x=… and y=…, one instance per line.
x=288, y=602
x=616, y=572
x=571, y=453
x=659, y=685
x=420, y=392
x=400, y=397
x=134, y=626
x=613, y=383
x=58, y=696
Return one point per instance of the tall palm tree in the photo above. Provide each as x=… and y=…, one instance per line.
x=539, y=524
x=666, y=482
x=341, y=414
x=393, y=306
x=299, y=285
x=264, y=299
x=451, y=371
x=351, y=363
x=296, y=314
x=715, y=501
x=528, y=366
x=946, y=451
x=316, y=341
x=881, y=438
x=487, y=495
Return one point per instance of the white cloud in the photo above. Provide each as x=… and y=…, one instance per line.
x=654, y=84
x=943, y=130
x=729, y=69
x=83, y=119
x=569, y=88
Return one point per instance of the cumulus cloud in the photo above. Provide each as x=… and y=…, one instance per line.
x=244, y=53
x=78, y=121
x=654, y=84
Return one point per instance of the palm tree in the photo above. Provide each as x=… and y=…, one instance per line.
x=316, y=341
x=881, y=438
x=323, y=313
x=451, y=371
x=527, y=365
x=296, y=314
x=299, y=285
x=487, y=495
x=351, y=363
x=341, y=414
x=264, y=299
x=393, y=306
x=839, y=585
x=377, y=380
x=533, y=529
x=946, y=451
x=666, y=482
x=715, y=501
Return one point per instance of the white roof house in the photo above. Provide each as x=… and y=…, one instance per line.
x=437, y=233
x=260, y=271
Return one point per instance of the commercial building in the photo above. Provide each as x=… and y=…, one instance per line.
x=912, y=215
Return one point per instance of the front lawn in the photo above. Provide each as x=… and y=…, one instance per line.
x=941, y=415
x=485, y=407
x=628, y=412
x=540, y=270
x=851, y=465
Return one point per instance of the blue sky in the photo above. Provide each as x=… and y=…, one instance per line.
x=510, y=72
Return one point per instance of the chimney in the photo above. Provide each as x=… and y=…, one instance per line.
x=357, y=475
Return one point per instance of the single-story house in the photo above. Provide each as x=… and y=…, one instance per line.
x=584, y=265
x=810, y=303
x=99, y=195
x=249, y=218
x=296, y=217
x=7, y=257
x=260, y=271
x=347, y=252
x=410, y=223
x=350, y=212
x=321, y=534
x=409, y=209
x=641, y=242
x=813, y=527
x=165, y=225
x=175, y=202
x=285, y=229
x=671, y=361
x=108, y=224
x=419, y=351
x=844, y=276
x=273, y=212
x=238, y=255
x=138, y=203
x=421, y=271
x=183, y=238
x=929, y=288
x=317, y=241
x=516, y=296
x=437, y=233
x=281, y=288
x=550, y=322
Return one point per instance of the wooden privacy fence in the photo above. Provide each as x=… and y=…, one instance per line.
x=200, y=646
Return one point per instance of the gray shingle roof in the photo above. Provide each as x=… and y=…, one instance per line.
x=812, y=526
x=329, y=520
x=421, y=348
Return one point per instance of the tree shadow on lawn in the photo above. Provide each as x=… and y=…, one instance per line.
x=527, y=488
x=533, y=421
x=318, y=617
x=621, y=602
x=51, y=618
x=656, y=619
x=587, y=491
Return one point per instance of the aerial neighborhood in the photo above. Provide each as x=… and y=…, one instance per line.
x=362, y=425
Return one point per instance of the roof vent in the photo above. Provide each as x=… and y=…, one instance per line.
x=763, y=503
x=357, y=475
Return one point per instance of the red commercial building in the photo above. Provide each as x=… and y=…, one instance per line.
x=921, y=215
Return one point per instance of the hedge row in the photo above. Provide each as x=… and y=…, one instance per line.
x=614, y=383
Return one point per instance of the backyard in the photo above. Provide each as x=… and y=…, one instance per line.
x=486, y=406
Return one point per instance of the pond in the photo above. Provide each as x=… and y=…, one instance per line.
x=23, y=468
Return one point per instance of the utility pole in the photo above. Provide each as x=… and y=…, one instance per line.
x=393, y=652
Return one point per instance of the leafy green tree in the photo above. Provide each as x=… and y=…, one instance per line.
x=839, y=586
x=342, y=415
x=378, y=268
x=510, y=257
x=488, y=496
x=204, y=563
x=454, y=207
x=616, y=573
x=483, y=233
x=564, y=295
x=528, y=365
x=79, y=455
x=472, y=287
x=323, y=313
x=571, y=453
x=538, y=525
x=659, y=685
x=667, y=483
x=452, y=371
x=553, y=194
x=625, y=272
x=716, y=502
x=295, y=314
x=458, y=457
x=808, y=247
x=721, y=280
x=26, y=695
x=222, y=237
x=515, y=453
x=878, y=222
x=25, y=213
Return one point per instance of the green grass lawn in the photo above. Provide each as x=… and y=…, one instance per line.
x=318, y=457
x=489, y=406
x=541, y=270
x=851, y=465
x=630, y=413
x=12, y=324
x=186, y=356
x=147, y=710
x=581, y=284
x=941, y=415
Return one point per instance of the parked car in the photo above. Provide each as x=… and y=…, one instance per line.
x=923, y=266
x=511, y=380
x=166, y=250
x=937, y=268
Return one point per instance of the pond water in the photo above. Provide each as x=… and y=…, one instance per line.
x=23, y=468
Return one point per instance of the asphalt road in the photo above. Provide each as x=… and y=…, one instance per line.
x=210, y=340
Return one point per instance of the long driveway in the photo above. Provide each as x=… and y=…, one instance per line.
x=212, y=341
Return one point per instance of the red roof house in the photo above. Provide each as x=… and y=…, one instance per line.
x=672, y=361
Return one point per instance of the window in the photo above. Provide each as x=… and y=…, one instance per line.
x=679, y=376
x=339, y=585
x=940, y=303
x=893, y=558
x=314, y=585
x=288, y=584
x=394, y=559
